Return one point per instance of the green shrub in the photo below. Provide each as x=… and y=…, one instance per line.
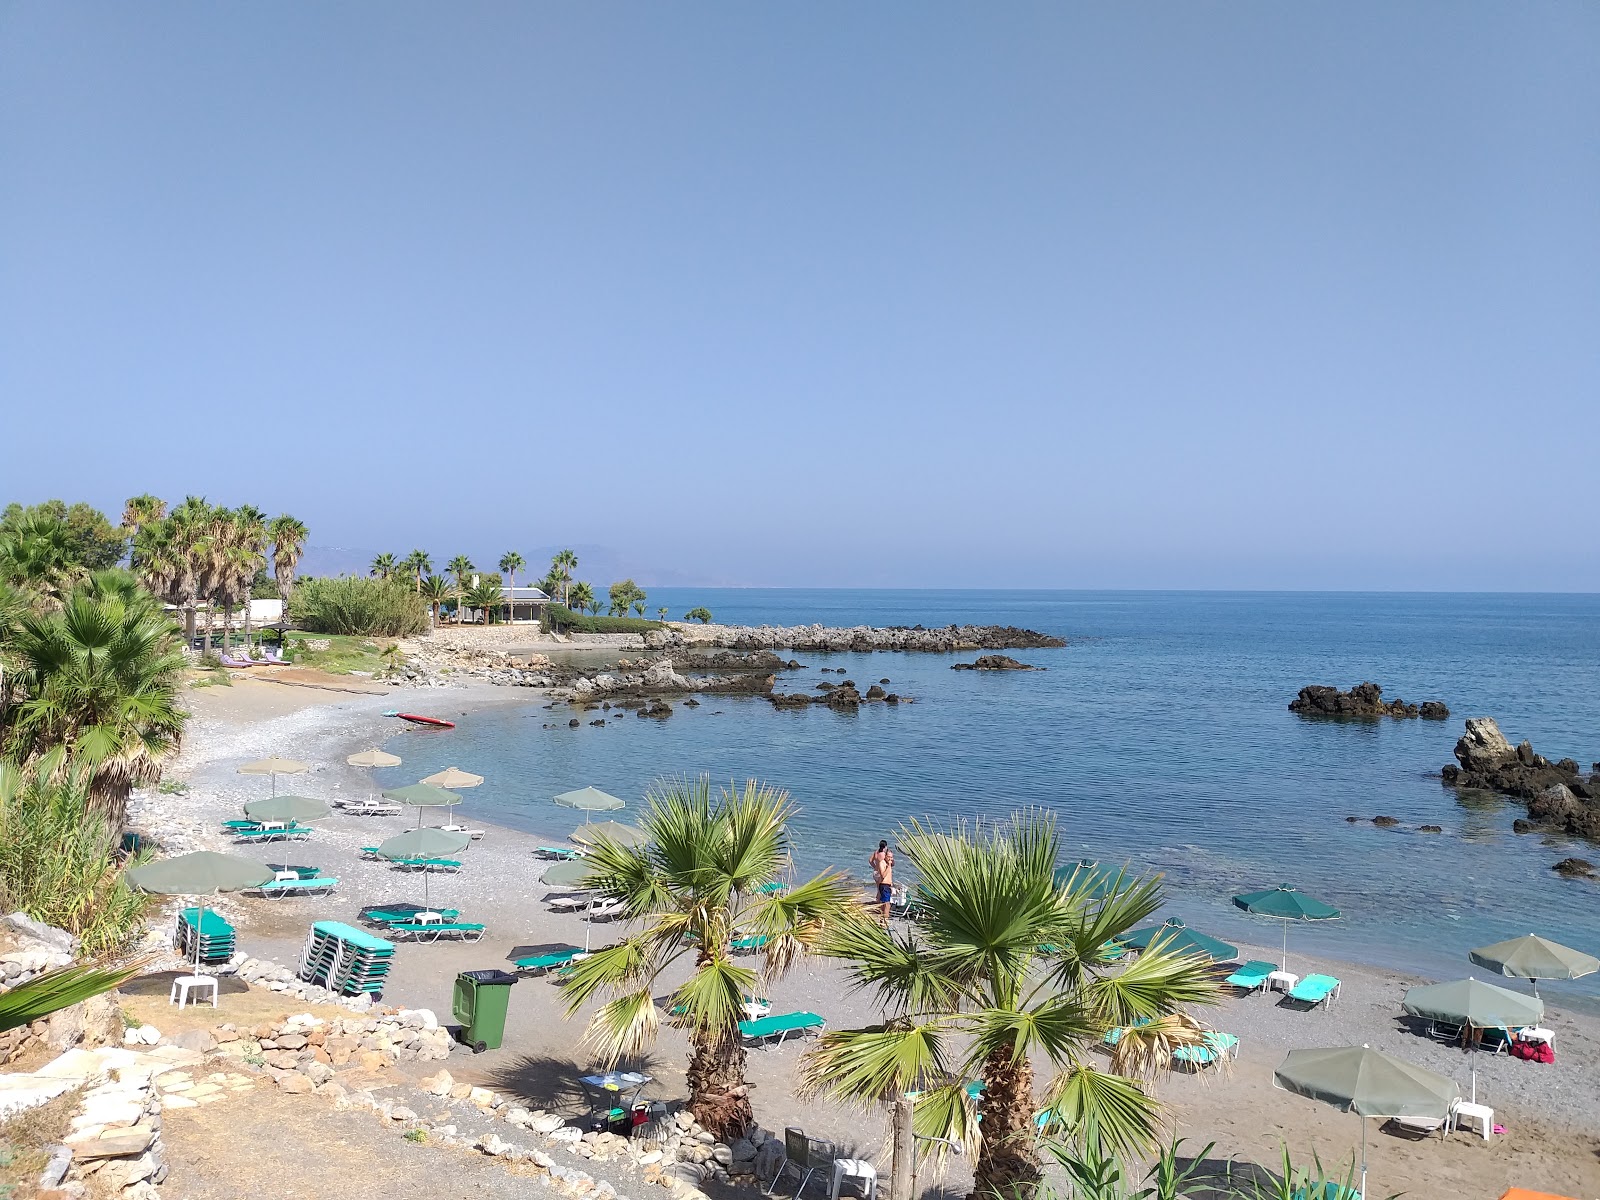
x=363, y=607
x=59, y=863
x=557, y=617
x=703, y=615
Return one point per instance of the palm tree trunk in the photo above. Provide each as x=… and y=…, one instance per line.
x=247, y=621
x=1008, y=1162
x=227, y=621
x=718, y=1094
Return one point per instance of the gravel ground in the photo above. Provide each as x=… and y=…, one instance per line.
x=1552, y=1113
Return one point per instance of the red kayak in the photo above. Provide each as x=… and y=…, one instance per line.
x=418, y=719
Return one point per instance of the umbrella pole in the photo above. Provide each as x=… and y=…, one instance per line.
x=1363, y=1158
x=1285, y=966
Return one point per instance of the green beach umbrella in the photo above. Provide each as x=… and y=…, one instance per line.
x=1368, y=1083
x=590, y=799
x=1474, y=1002
x=1087, y=875
x=1173, y=935
x=1533, y=957
x=275, y=767
x=203, y=873
x=421, y=796
x=423, y=843
x=565, y=874
x=612, y=831
x=287, y=808
x=1286, y=904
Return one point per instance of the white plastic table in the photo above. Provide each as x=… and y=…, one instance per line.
x=1538, y=1033
x=854, y=1168
x=1480, y=1115
x=1282, y=981
x=184, y=984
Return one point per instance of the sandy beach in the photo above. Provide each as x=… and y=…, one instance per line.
x=1551, y=1112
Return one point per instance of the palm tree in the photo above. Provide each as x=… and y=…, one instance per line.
x=250, y=530
x=419, y=564
x=435, y=590
x=485, y=594
x=562, y=566
x=140, y=511
x=661, y=614
x=695, y=886
x=99, y=684
x=288, y=544
x=582, y=597
x=511, y=562
x=37, y=557
x=1008, y=964
x=384, y=565
x=460, y=566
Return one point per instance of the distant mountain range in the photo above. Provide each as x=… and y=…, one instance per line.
x=600, y=565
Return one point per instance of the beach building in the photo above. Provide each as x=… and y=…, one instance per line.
x=518, y=605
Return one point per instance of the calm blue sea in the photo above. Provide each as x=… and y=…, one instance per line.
x=1160, y=735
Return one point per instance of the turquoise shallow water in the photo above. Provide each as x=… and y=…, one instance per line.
x=1160, y=735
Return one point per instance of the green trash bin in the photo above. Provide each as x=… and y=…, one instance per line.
x=480, y=1006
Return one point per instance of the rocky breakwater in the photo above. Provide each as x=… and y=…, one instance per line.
x=430, y=662
x=994, y=662
x=1363, y=700
x=662, y=677
x=1558, y=795
x=860, y=638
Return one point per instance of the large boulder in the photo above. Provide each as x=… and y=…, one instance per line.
x=1555, y=794
x=1363, y=700
x=994, y=662
x=1483, y=745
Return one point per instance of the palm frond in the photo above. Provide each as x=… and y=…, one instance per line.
x=1154, y=984
x=713, y=997
x=609, y=968
x=1109, y=1111
x=58, y=989
x=853, y=1066
x=623, y=1027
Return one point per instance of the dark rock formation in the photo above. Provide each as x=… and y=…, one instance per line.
x=1430, y=829
x=876, y=693
x=1523, y=825
x=1555, y=793
x=1386, y=822
x=1363, y=700
x=656, y=708
x=1574, y=868
x=885, y=679
x=994, y=662
x=842, y=697
x=691, y=702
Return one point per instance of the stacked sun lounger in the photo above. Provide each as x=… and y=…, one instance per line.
x=215, y=936
x=345, y=959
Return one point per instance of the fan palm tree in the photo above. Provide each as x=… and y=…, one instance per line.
x=460, y=566
x=582, y=597
x=419, y=564
x=288, y=544
x=435, y=590
x=695, y=886
x=99, y=683
x=485, y=595
x=38, y=558
x=562, y=566
x=384, y=565
x=140, y=511
x=1008, y=965
x=511, y=562
x=246, y=556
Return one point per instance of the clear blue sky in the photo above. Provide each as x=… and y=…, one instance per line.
x=1184, y=294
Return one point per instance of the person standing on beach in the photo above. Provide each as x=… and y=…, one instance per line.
x=882, y=864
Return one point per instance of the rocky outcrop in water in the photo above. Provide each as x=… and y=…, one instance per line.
x=859, y=638
x=994, y=662
x=1556, y=793
x=1363, y=700
x=841, y=698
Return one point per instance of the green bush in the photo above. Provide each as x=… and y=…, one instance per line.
x=557, y=617
x=59, y=863
x=362, y=607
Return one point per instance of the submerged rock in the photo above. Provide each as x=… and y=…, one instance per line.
x=994, y=662
x=1574, y=868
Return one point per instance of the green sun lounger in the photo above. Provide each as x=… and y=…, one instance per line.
x=427, y=864
x=241, y=823
x=541, y=963
x=370, y=853
x=384, y=916
x=767, y=1029
x=1315, y=990
x=282, y=887
x=1252, y=976
x=749, y=944
x=564, y=853
x=298, y=832
x=1213, y=1047
x=1114, y=1035
x=432, y=931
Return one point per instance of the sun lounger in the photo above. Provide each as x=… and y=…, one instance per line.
x=775, y=888
x=606, y=910
x=432, y=931
x=370, y=808
x=449, y=865
x=1420, y=1127
x=1252, y=976
x=540, y=964
x=241, y=823
x=287, y=833
x=1315, y=990
x=304, y=887
x=570, y=903
x=749, y=944
x=403, y=913
x=765, y=1029
x=229, y=661
x=562, y=853
x=1326, y=1191
x=1213, y=1048
x=474, y=834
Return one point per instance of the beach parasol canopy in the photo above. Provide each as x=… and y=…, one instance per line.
x=565, y=874
x=1286, y=904
x=454, y=777
x=203, y=873
x=422, y=795
x=1474, y=1002
x=1368, y=1083
x=1533, y=957
x=275, y=767
x=374, y=758
x=287, y=808
x=590, y=799
x=611, y=831
x=423, y=843
x=1175, y=937
x=1088, y=876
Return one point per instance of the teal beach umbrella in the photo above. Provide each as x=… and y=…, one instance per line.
x=1088, y=876
x=1173, y=935
x=1286, y=904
